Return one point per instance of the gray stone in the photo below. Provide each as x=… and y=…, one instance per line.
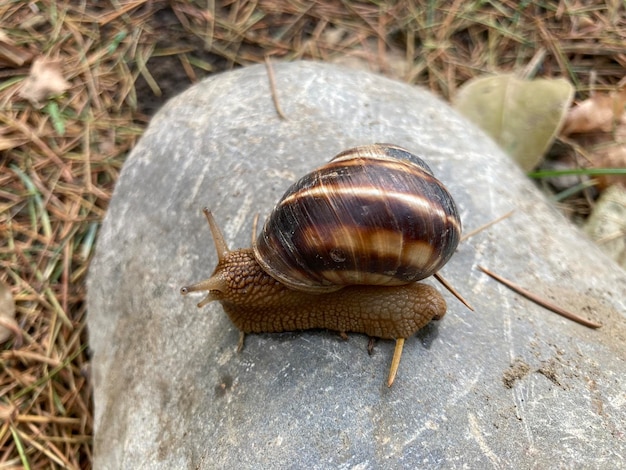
x=510, y=385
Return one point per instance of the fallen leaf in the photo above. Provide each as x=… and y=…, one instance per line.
x=607, y=224
x=45, y=79
x=599, y=113
x=612, y=155
x=604, y=135
x=522, y=116
x=8, y=324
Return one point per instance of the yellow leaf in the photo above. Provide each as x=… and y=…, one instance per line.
x=522, y=116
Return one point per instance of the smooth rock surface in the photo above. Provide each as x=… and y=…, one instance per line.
x=510, y=385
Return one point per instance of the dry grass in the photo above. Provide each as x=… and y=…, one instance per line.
x=59, y=161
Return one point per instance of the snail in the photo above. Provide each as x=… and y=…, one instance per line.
x=343, y=250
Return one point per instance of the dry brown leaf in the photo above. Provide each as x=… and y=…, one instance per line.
x=612, y=156
x=604, y=137
x=596, y=114
x=45, y=79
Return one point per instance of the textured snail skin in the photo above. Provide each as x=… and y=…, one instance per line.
x=257, y=303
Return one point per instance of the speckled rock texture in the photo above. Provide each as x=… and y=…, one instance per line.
x=507, y=386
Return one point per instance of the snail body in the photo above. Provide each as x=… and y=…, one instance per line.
x=342, y=250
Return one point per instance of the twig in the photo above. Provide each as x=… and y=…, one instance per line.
x=445, y=283
x=541, y=301
x=453, y=291
x=487, y=225
x=270, y=75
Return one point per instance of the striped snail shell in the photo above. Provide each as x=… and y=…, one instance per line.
x=373, y=215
